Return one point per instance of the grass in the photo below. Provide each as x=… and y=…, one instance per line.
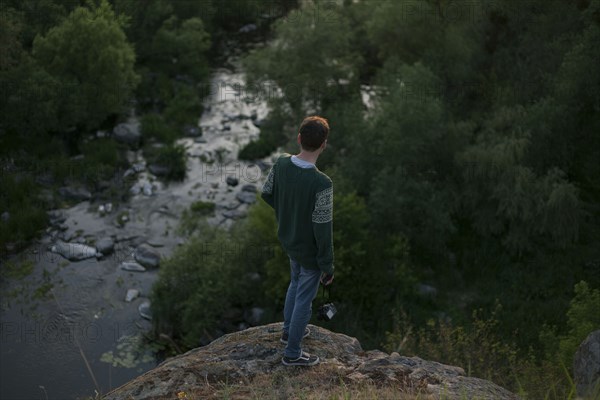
x=17, y=269
x=202, y=207
x=321, y=382
x=191, y=219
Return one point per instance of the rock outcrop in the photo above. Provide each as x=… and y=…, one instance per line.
x=586, y=366
x=248, y=363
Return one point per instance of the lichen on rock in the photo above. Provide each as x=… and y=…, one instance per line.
x=252, y=359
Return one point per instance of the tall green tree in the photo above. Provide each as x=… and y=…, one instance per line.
x=90, y=57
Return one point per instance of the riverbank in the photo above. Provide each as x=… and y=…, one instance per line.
x=64, y=309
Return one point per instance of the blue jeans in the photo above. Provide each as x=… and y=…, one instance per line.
x=297, y=311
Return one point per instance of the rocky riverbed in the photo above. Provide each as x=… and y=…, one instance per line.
x=73, y=324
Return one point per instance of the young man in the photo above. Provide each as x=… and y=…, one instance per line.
x=302, y=197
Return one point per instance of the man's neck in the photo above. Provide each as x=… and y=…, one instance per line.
x=308, y=156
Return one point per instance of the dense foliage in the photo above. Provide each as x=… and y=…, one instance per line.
x=71, y=68
x=477, y=155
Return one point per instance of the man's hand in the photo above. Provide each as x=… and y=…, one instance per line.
x=326, y=279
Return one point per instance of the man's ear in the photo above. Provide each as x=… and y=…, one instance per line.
x=298, y=139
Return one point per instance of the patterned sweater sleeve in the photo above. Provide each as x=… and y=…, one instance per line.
x=322, y=222
x=267, y=190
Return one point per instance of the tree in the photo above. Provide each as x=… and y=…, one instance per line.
x=89, y=55
x=178, y=48
x=310, y=60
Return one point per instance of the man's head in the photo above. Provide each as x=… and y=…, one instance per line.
x=313, y=133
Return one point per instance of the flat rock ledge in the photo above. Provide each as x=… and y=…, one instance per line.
x=252, y=358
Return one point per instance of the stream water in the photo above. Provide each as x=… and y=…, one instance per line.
x=66, y=329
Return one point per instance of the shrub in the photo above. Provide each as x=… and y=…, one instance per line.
x=192, y=218
x=102, y=157
x=184, y=108
x=154, y=126
x=27, y=215
x=173, y=157
x=198, y=283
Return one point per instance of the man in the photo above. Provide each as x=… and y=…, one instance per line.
x=302, y=197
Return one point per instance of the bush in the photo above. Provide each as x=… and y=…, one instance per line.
x=480, y=349
x=256, y=149
x=27, y=212
x=173, y=157
x=582, y=319
x=102, y=157
x=271, y=136
x=200, y=281
x=153, y=126
x=185, y=108
x=191, y=219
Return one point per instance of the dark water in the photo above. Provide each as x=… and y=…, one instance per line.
x=47, y=339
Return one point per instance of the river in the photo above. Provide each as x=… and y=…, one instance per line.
x=67, y=330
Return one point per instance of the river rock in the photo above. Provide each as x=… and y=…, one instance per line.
x=74, y=193
x=246, y=197
x=234, y=214
x=247, y=28
x=128, y=172
x=232, y=181
x=147, y=189
x=105, y=245
x=144, y=310
x=249, y=187
x=159, y=170
x=258, y=122
x=131, y=295
x=128, y=132
x=253, y=356
x=192, y=131
x=264, y=167
x=139, y=166
x=132, y=266
x=104, y=208
x=586, y=367
x=74, y=251
x=147, y=256
x=56, y=217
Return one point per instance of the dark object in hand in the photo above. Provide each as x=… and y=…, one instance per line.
x=327, y=312
x=326, y=279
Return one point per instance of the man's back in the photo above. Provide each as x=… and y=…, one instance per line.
x=303, y=203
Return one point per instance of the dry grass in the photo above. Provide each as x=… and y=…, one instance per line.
x=321, y=382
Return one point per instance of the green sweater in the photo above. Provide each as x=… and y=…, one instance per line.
x=303, y=203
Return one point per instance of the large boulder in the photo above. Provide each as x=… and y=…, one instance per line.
x=147, y=256
x=128, y=132
x=586, y=367
x=248, y=363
